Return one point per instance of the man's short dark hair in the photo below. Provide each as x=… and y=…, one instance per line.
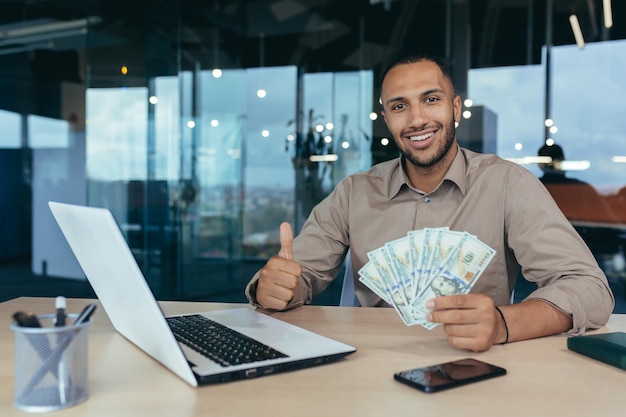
x=444, y=66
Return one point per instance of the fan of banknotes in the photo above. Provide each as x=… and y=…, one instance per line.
x=425, y=264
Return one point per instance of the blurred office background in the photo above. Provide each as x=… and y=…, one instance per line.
x=203, y=125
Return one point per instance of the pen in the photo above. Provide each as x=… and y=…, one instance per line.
x=85, y=314
x=60, y=305
x=24, y=319
x=56, y=354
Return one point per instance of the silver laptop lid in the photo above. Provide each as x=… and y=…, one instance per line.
x=107, y=261
x=102, y=252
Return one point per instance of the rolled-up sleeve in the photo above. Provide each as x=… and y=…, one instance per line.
x=552, y=254
x=320, y=248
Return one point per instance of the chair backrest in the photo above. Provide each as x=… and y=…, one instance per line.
x=348, y=295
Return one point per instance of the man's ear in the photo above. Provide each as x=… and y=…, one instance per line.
x=457, y=109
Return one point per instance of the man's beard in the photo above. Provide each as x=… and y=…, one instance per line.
x=440, y=152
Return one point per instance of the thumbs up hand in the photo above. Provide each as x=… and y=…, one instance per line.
x=279, y=277
x=286, y=241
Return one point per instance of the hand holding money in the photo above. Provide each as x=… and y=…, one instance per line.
x=473, y=322
x=425, y=264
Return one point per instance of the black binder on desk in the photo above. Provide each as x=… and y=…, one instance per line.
x=606, y=347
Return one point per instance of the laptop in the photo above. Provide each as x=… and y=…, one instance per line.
x=271, y=345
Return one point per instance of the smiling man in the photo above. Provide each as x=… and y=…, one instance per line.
x=420, y=109
x=435, y=183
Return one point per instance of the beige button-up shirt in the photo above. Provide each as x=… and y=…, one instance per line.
x=501, y=203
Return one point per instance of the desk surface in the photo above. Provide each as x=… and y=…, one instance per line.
x=544, y=378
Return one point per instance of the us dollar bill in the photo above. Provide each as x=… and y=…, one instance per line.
x=382, y=260
x=427, y=263
x=370, y=276
x=416, y=247
x=399, y=252
x=460, y=270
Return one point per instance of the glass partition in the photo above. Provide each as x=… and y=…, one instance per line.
x=11, y=126
x=200, y=170
x=203, y=125
x=588, y=180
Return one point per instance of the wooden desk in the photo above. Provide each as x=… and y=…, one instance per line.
x=544, y=378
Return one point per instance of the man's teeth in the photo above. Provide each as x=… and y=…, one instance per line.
x=421, y=137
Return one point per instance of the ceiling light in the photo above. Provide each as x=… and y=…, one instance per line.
x=578, y=33
x=46, y=27
x=608, y=13
x=575, y=165
x=37, y=31
x=526, y=160
x=323, y=158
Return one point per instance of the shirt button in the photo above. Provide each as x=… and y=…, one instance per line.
x=427, y=200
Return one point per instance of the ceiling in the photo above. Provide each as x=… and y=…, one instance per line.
x=316, y=35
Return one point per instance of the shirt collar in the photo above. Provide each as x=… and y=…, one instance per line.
x=456, y=174
x=458, y=170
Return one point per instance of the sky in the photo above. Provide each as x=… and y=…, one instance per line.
x=587, y=88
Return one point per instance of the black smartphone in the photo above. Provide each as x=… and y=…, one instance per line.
x=448, y=375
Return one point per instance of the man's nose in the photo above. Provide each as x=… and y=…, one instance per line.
x=418, y=118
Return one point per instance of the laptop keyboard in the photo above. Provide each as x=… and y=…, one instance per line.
x=219, y=343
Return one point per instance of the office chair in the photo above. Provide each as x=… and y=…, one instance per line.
x=348, y=295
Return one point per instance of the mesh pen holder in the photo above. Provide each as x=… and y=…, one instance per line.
x=50, y=365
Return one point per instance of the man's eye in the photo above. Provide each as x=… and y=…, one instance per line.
x=432, y=99
x=398, y=106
